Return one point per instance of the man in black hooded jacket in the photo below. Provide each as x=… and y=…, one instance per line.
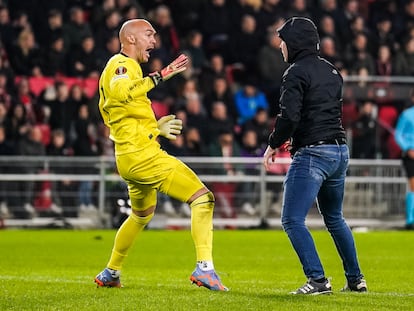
x=310, y=121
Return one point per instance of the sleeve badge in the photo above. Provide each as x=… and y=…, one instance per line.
x=120, y=70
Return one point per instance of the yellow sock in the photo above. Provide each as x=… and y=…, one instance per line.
x=125, y=237
x=202, y=226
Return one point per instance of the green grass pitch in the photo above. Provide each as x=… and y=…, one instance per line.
x=54, y=270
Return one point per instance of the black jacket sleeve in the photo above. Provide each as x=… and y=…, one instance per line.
x=282, y=131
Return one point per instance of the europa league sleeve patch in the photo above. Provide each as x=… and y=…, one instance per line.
x=120, y=70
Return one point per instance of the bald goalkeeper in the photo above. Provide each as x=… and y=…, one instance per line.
x=144, y=166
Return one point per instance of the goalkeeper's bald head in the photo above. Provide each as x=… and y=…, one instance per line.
x=137, y=37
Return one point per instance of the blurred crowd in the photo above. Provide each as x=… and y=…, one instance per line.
x=228, y=97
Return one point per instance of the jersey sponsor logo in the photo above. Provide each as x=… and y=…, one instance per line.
x=120, y=70
x=120, y=77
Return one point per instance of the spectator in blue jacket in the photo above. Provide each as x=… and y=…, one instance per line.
x=248, y=99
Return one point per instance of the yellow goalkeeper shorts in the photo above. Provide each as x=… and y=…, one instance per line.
x=153, y=170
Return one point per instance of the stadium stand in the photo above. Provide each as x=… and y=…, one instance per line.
x=357, y=29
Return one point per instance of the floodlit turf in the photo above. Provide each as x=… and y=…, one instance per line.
x=54, y=270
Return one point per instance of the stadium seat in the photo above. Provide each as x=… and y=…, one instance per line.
x=160, y=109
x=38, y=84
x=349, y=113
x=90, y=86
x=388, y=115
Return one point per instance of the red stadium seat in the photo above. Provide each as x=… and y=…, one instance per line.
x=90, y=86
x=38, y=84
x=160, y=109
x=387, y=116
x=349, y=113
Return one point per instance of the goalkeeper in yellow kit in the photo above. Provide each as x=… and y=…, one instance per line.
x=144, y=166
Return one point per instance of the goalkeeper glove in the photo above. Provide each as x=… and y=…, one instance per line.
x=177, y=66
x=170, y=127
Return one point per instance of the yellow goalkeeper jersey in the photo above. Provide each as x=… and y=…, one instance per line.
x=124, y=105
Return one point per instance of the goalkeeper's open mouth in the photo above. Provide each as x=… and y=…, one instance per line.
x=148, y=52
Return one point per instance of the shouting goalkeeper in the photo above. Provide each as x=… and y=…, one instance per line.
x=144, y=166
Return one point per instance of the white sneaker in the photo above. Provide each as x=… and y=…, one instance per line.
x=248, y=209
x=185, y=210
x=29, y=209
x=169, y=208
x=4, y=210
x=275, y=209
x=55, y=209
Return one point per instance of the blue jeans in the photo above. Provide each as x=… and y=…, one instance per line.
x=318, y=172
x=85, y=192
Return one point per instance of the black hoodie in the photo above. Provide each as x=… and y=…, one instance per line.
x=301, y=37
x=311, y=90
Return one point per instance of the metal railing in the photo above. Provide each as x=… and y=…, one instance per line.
x=375, y=189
